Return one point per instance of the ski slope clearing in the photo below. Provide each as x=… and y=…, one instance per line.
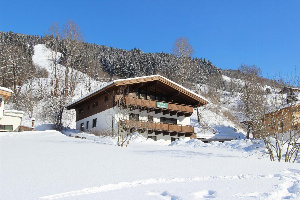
x=50, y=165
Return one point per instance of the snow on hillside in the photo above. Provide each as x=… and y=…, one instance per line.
x=214, y=124
x=234, y=80
x=43, y=57
x=50, y=165
x=41, y=88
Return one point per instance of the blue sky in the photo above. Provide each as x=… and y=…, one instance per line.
x=228, y=33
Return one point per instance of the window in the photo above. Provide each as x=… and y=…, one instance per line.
x=82, y=126
x=95, y=104
x=150, y=118
x=152, y=97
x=164, y=98
x=80, y=110
x=174, y=121
x=134, y=117
x=132, y=108
x=94, y=122
x=168, y=120
x=106, y=98
x=0, y=101
x=7, y=127
x=88, y=107
x=87, y=125
x=143, y=94
x=153, y=138
x=158, y=97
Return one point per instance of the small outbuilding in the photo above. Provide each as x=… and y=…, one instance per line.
x=10, y=120
x=281, y=121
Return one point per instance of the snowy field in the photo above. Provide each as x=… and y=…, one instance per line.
x=50, y=165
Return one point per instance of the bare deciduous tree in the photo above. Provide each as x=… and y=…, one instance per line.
x=53, y=42
x=72, y=38
x=182, y=47
x=183, y=50
x=66, y=45
x=275, y=122
x=252, y=95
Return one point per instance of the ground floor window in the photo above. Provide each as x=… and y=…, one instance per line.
x=95, y=104
x=87, y=125
x=150, y=118
x=134, y=117
x=153, y=138
x=7, y=127
x=168, y=120
x=82, y=126
x=94, y=122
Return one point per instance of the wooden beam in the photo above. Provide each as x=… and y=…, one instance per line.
x=5, y=94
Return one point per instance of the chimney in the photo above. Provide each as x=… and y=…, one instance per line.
x=33, y=120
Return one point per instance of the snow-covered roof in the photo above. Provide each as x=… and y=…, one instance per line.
x=185, y=88
x=132, y=80
x=13, y=111
x=6, y=89
x=5, y=92
x=91, y=93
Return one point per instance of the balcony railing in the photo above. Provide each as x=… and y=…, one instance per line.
x=152, y=104
x=160, y=126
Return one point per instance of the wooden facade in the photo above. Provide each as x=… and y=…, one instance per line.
x=155, y=95
x=94, y=105
x=280, y=121
x=5, y=93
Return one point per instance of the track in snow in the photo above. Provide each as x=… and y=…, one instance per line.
x=288, y=188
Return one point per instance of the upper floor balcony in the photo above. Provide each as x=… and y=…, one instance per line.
x=159, y=126
x=160, y=106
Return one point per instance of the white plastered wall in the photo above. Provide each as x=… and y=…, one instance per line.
x=1, y=106
x=12, y=117
x=108, y=120
x=104, y=121
x=143, y=116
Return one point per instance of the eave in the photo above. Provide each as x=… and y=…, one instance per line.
x=145, y=79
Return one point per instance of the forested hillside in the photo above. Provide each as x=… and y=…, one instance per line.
x=98, y=61
x=64, y=68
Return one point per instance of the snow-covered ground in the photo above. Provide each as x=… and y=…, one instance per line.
x=50, y=165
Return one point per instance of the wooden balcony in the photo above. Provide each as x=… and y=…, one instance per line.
x=159, y=126
x=152, y=104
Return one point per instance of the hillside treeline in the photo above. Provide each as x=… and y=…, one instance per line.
x=100, y=62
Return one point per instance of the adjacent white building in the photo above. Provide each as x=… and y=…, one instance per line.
x=10, y=120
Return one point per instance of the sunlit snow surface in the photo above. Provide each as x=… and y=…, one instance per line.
x=50, y=165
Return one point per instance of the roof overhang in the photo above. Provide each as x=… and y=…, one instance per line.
x=6, y=93
x=130, y=81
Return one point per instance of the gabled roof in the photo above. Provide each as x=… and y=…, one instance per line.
x=5, y=92
x=295, y=108
x=144, y=79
